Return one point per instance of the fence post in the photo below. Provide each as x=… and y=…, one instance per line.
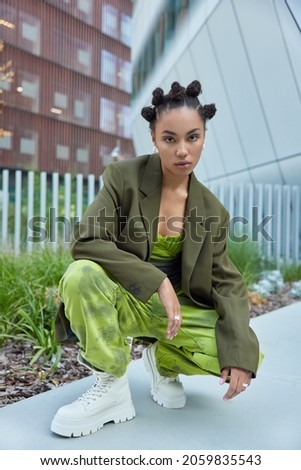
x=286, y=222
x=268, y=210
x=259, y=201
x=54, y=210
x=79, y=196
x=91, y=188
x=5, y=203
x=277, y=222
x=18, y=198
x=30, y=206
x=296, y=224
x=43, y=200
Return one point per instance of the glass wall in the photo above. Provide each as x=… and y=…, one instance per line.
x=166, y=26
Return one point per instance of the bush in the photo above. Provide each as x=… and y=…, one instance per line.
x=291, y=272
x=28, y=299
x=247, y=258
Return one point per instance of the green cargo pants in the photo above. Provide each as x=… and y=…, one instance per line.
x=103, y=315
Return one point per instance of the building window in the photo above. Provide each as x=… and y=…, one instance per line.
x=110, y=21
x=82, y=108
x=82, y=9
x=28, y=144
x=124, y=121
x=82, y=155
x=159, y=39
x=8, y=23
x=4, y=84
x=126, y=30
x=6, y=142
x=29, y=33
x=104, y=154
x=79, y=109
x=84, y=55
x=125, y=75
x=85, y=7
x=73, y=53
x=115, y=118
x=115, y=71
x=84, y=58
x=107, y=115
x=108, y=68
x=29, y=91
x=60, y=100
x=62, y=152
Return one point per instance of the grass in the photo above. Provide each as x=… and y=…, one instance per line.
x=246, y=257
x=28, y=300
x=291, y=272
x=28, y=294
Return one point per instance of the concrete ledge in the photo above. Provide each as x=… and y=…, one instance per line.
x=267, y=416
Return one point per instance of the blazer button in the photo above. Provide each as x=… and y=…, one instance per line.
x=134, y=289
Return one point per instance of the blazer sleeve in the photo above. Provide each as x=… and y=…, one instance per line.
x=236, y=342
x=96, y=238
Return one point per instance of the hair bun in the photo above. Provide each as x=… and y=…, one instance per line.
x=148, y=113
x=209, y=110
x=158, y=96
x=194, y=89
x=177, y=92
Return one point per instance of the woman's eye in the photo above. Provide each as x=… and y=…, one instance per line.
x=169, y=140
x=193, y=137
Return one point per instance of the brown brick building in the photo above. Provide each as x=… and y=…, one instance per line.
x=65, y=83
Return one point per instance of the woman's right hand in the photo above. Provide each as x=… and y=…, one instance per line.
x=172, y=307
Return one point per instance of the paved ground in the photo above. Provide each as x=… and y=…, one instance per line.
x=267, y=416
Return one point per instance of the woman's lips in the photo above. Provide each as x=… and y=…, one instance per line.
x=183, y=164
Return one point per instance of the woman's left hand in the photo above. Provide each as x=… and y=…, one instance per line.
x=240, y=379
x=172, y=307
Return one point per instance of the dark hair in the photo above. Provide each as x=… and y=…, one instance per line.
x=177, y=97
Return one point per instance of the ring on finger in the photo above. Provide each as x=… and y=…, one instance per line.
x=176, y=317
x=245, y=385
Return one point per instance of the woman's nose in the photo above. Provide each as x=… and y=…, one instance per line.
x=181, y=151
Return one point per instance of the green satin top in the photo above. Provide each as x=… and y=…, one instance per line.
x=166, y=255
x=167, y=246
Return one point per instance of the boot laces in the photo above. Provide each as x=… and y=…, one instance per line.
x=101, y=386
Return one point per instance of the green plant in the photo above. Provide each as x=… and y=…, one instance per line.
x=247, y=258
x=28, y=300
x=291, y=272
x=35, y=331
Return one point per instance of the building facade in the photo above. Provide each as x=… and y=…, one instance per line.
x=247, y=56
x=65, y=84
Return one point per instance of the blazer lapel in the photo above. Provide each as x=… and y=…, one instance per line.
x=195, y=232
x=150, y=195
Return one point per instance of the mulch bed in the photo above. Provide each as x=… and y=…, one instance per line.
x=20, y=380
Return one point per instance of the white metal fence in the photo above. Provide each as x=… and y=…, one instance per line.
x=39, y=209
x=267, y=214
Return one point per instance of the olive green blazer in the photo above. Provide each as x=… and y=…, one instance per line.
x=119, y=229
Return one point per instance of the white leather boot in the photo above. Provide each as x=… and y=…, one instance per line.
x=166, y=391
x=109, y=399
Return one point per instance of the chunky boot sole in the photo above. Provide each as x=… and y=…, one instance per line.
x=89, y=425
x=166, y=402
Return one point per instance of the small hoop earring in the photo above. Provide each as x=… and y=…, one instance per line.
x=204, y=145
x=155, y=149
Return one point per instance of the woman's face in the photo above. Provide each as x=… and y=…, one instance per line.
x=179, y=136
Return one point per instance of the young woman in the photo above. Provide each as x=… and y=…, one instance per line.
x=150, y=260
